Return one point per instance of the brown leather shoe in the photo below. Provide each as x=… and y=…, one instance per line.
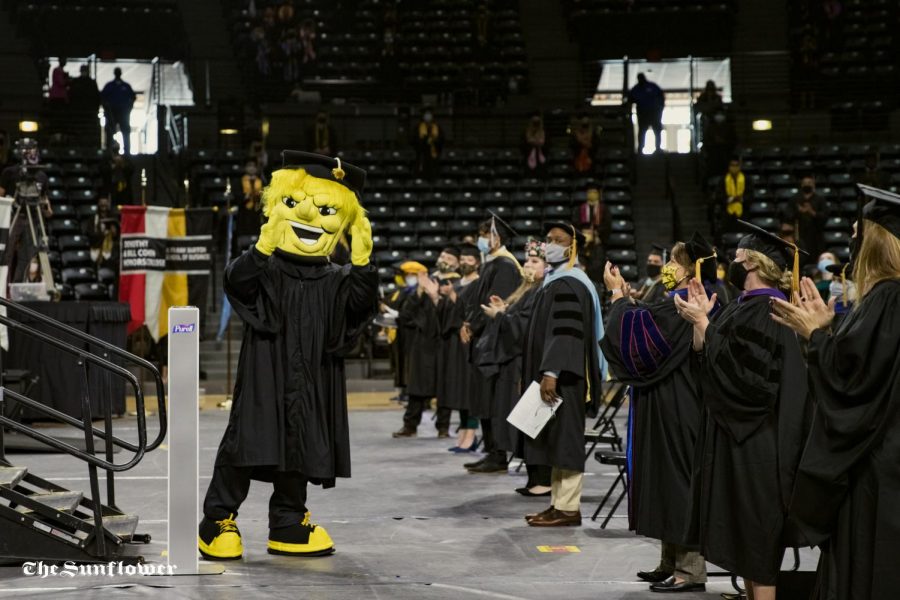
x=540, y=514
x=404, y=433
x=556, y=518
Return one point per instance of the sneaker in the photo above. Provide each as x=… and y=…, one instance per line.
x=220, y=540
x=302, y=539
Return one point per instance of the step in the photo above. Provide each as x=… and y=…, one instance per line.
x=65, y=502
x=11, y=476
x=122, y=526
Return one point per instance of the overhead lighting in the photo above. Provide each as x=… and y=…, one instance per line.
x=28, y=126
x=229, y=131
x=762, y=125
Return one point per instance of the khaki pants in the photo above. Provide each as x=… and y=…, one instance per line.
x=565, y=489
x=683, y=563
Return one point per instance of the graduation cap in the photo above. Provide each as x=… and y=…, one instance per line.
x=660, y=250
x=325, y=167
x=499, y=227
x=703, y=255
x=453, y=250
x=535, y=248
x=447, y=278
x=466, y=249
x=411, y=267
x=883, y=207
x=779, y=251
x=845, y=270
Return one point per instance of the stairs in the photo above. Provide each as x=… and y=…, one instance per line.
x=555, y=71
x=689, y=196
x=40, y=520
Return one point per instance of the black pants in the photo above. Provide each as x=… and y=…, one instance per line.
x=122, y=119
x=413, y=415
x=490, y=444
x=228, y=490
x=538, y=475
x=649, y=121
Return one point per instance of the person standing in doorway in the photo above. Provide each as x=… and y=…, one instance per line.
x=649, y=100
x=118, y=99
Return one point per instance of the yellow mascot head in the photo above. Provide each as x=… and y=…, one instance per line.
x=313, y=200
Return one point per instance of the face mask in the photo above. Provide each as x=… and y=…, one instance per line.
x=484, y=245
x=467, y=269
x=737, y=275
x=653, y=271
x=824, y=264
x=444, y=267
x=555, y=254
x=411, y=280
x=669, y=277
x=807, y=189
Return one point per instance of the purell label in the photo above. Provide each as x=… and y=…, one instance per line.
x=183, y=328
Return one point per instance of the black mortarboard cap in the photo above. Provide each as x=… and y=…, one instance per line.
x=503, y=228
x=454, y=250
x=566, y=226
x=326, y=167
x=782, y=253
x=882, y=207
x=703, y=255
x=839, y=269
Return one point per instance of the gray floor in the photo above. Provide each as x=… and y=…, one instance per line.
x=410, y=523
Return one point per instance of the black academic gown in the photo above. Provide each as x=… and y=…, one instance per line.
x=560, y=340
x=452, y=356
x=654, y=292
x=753, y=382
x=500, y=355
x=418, y=322
x=499, y=277
x=648, y=347
x=290, y=397
x=847, y=494
x=398, y=346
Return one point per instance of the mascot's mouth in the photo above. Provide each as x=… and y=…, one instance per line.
x=307, y=234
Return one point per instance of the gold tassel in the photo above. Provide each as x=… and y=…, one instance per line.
x=573, y=250
x=697, y=268
x=795, y=276
x=338, y=172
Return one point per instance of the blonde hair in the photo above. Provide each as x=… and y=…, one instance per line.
x=878, y=260
x=681, y=256
x=770, y=272
x=520, y=291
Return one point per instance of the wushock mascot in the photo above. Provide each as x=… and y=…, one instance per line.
x=301, y=313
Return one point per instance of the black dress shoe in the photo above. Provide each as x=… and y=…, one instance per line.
x=670, y=587
x=477, y=463
x=489, y=466
x=654, y=576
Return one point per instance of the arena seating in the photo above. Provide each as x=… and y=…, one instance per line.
x=773, y=174
x=434, y=49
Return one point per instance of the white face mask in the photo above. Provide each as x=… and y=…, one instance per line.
x=555, y=253
x=411, y=280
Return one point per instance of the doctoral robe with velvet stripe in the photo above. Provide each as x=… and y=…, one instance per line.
x=648, y=347
x=753, y=383
x=559, y=340
x=847, y=494
x=290, y=396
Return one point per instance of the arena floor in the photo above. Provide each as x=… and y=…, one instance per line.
x=410, y=524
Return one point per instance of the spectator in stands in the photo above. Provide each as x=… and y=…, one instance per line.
x=872, y=174
x=482, y=25
x=286, y=12
x=290, y=50
x=824, y=275
x=308, y=41
x=734, y=185
x=807, y=212
x=584, y=144
x=118, y=99
x=321, y=135
x=652, y=288
x=83, y=93
x=117, y=172
x=249, y=215
x=103, y=235
x=708, y=103
x=59, y=85
x=649, y=101
x=429, y=143
x=533, y=142
x=262, y=50
x=592, y=214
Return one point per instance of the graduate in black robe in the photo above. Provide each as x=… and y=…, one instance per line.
x=500, y=353
x=753, y=384
x=648, y=348
x=562, y=353
x=848, y=483
x=652, y=290
x=500, y=275
x=396, y=338
x=288, y=423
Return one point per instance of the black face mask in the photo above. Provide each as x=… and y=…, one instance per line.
x=737, y=275
x=466, y=269
x=807, y=189
x=653, y=271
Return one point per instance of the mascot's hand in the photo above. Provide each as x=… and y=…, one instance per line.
x=360, y=242
x=270, y=235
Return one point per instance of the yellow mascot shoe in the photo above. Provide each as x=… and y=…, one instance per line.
x=220, y=540
x=303, y=539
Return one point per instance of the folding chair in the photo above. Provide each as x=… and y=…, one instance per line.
x=619, y=460
x=604, y=429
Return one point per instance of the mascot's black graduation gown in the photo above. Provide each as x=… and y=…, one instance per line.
x=847, y=494
x=560, y=339
x=753, y=382
x=648, y=346
x=500, y=353
x=290, y=397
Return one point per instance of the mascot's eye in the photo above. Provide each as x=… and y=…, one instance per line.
x=327, y=211
x=289, y=202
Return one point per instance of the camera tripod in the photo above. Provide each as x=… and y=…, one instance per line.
x=28, y=196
